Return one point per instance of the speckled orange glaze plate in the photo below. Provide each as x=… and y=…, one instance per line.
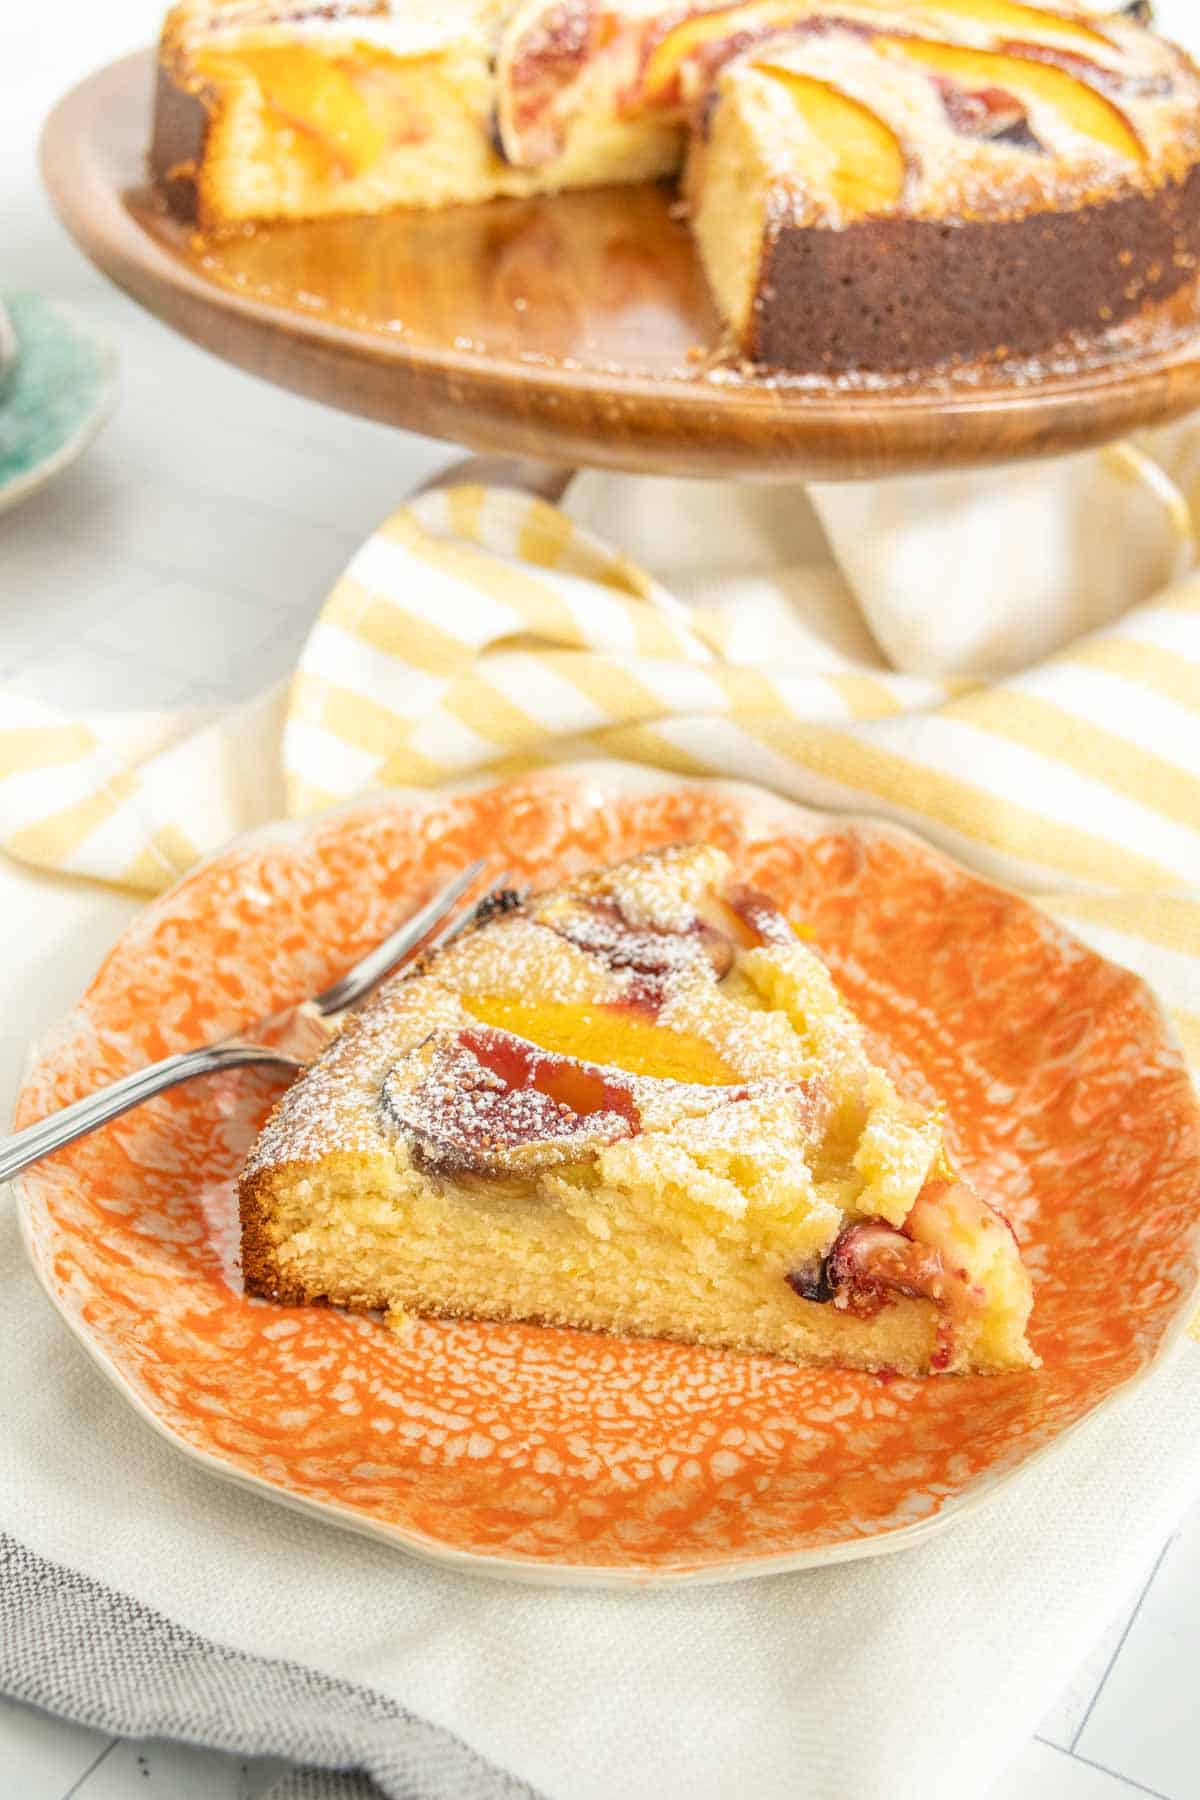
x=558, y=1454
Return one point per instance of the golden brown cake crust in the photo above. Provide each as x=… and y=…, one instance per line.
x=177, y=147
x=261, y=1272
x=906, y=293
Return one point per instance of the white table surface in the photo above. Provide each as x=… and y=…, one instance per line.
x=181, y=561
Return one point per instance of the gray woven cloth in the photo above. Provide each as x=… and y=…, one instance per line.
x=102, y=1659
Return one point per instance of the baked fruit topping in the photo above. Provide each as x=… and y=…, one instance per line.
x=1009, y=17
x=990, y=112
x=1080, y=107
x=870, y=1264
x=706, y=39
x=622, y=1034
x=542, y=53
x=865, y=167
x=308, y=94
x=484, y=1102
x=636, y=1104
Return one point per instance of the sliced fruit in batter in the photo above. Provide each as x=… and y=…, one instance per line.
x=1007, y=16
x=541, y=54
x=679, y=43
x=867, y=167
x=616, y=1035
x=313, y=94
x=1080, y=106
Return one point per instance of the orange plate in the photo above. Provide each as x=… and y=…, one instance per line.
x=561, y=1454
x=576, y=329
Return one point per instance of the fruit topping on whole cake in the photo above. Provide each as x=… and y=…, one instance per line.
x=873, y=184
x=635, y=1103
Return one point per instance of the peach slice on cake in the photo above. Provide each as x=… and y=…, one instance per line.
x=311, y=93
x=709, y=36
x=672, y=48
x=618, y=1037
x=1075, y=102
x=1005, y=16
x=866, y=167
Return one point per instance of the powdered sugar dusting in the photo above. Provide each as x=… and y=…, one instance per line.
x=459, y=1113
x=419, y=1070
x=334, y=1107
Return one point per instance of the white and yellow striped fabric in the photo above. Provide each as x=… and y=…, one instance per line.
x=833, y=644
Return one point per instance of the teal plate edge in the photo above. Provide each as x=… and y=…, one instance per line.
x=62, y=391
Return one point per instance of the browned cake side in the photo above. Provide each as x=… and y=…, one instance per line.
x=177, y=146
x=905, y=293
x=261, y=1271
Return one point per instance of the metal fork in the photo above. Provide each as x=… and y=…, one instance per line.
x=286, y=1040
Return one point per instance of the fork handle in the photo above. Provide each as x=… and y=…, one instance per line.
x=23, y=1148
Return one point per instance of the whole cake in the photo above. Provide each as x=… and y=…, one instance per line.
x=634, y=1104
x=873, y=184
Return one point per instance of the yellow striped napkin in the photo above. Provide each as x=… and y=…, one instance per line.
x=481, y=630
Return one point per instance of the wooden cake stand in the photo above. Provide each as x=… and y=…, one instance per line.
x=572, y=330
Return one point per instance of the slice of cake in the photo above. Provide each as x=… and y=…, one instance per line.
x=874, y=184
x=633, y=1104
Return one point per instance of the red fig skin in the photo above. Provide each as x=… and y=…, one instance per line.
x=811, y=1281
x=552, y=56
x=487, y=1094
x=759, y=916
x=601, y=928
x=576, y=1087
x=990, y=112
x=870, y=1265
